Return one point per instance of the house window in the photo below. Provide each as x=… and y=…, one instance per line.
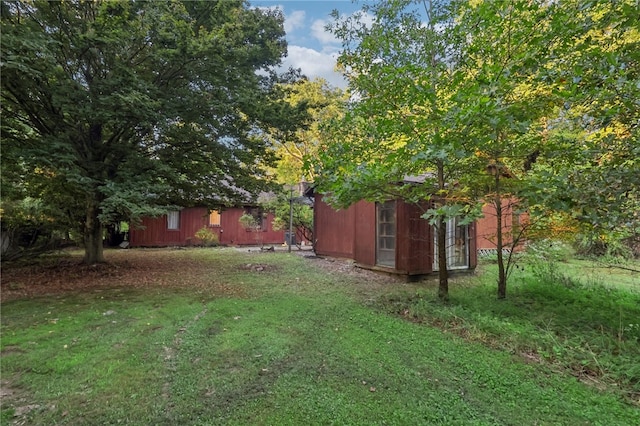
x=173, y=220
x=386, y=234
x=457, y=243
x=214, y=218
x=259, y=217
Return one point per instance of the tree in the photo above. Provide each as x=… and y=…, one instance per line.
x=502, y=106
x=594, y=64
x=470, y=94
x=403, y=76
x=287, y=207
x=297, y=147
x=129, y=107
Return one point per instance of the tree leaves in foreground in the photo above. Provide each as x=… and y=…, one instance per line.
x=536, y=101
x=400, y=74
x=126, y=108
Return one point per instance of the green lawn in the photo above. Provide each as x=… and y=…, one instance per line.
x=223, y=337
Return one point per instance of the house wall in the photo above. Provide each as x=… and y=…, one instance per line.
x=351, y=233
x=416, y=241
x=154, y=232
x=365, y=232
x=334, y=230
x=231, y=233
x=487, y=226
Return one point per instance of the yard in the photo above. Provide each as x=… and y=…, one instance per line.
x=218, y=336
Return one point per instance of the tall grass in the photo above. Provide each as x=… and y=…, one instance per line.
x=584, y=325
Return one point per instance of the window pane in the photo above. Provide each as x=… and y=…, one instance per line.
x=457, y=245
x=173, y=220
x=386, y=230
x=214, y=218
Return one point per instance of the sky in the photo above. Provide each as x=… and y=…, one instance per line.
x=310, y=47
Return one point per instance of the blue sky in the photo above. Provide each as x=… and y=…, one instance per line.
x=311, y=48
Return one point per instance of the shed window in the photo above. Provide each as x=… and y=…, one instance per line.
x=173, y=220
x=386, y=234
x=457, y=243
x=214, y=218
x=259, y=217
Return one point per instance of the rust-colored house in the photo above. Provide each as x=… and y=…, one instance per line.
x=513, y=220
x=391, y=237
x=178, y=228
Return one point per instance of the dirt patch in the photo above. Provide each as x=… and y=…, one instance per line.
x=11, y=397
x=153, y=268
x=10, y=350
x=132, y=269
x=258, y=267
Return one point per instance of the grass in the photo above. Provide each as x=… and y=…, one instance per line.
x=556, y=313
x=272, y=338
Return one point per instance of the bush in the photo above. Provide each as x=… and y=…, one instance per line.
x=610, y=245
x=207, y=237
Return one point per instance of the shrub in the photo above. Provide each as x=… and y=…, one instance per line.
x=207, y=237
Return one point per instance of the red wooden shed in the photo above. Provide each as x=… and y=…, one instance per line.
x=179, y=228
x=391, y=237
x=513, y=221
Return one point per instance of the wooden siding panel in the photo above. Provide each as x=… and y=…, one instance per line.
x=365, y=233
x=333, y=230
x=419, y=242
x=154, y=232
x=351, y=233
x=232, y=233
x=473, y=245
x=487, y=226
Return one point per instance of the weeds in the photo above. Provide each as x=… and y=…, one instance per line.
x=582, y=326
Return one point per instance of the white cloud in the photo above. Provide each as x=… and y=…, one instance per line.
x=294, y=21
x=319, y=32
x=315, y=64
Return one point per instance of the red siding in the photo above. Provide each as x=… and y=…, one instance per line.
x=333, y=230
x=487, y=226
x=416, y=241
x=232, y=233
x=365, y=233
x=154, y=232
x=351, y=233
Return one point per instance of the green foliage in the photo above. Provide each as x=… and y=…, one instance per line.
x=593, y=65
x=297, y=146
x=492, y=100
x=248, y=221
x=119, y=110
x=207, y=237
x=613, y=245
x=282, y=207
x=29, y=228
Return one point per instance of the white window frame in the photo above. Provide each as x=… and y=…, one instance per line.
x=386, y=235
x=173, y=220
x=453, y=249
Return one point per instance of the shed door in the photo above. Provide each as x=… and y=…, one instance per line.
x=386, y=234
x=457, y=245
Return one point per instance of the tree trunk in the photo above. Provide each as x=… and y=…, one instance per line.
x=443, y=272
x=502, y=276
x=93, y=252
